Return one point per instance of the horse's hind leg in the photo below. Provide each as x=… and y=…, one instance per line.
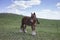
x=21, y=28
x=24, y=28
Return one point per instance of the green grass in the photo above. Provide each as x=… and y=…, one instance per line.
x=10, y=26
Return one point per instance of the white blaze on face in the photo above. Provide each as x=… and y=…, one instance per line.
x=31, y=20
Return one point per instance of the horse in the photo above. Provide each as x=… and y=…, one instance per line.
x=30, y=21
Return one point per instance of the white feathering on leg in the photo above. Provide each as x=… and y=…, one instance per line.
x=25, y=31
x=33, y=33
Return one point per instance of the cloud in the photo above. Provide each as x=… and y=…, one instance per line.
x=58, y=5
x=48, y=14
x=24, y=4
x=18, y=5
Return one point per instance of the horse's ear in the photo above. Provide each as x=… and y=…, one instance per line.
x=34, y=13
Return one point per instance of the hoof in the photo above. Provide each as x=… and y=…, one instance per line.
x=25, y=31
x=33, y=33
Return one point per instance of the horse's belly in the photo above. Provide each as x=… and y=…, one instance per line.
x=29, y=24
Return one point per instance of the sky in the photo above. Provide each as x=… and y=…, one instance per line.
x=47, y=9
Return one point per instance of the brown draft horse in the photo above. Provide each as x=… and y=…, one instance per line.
x=31, y=21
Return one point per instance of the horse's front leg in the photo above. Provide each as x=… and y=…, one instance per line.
x=33, y=29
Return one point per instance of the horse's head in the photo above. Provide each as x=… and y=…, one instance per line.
x=33, y=15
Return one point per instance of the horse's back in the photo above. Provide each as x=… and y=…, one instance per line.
x=26, y=20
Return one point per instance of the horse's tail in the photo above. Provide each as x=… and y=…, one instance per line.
x=38, y=21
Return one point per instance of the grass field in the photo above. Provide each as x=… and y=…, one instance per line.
x=10, y=26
